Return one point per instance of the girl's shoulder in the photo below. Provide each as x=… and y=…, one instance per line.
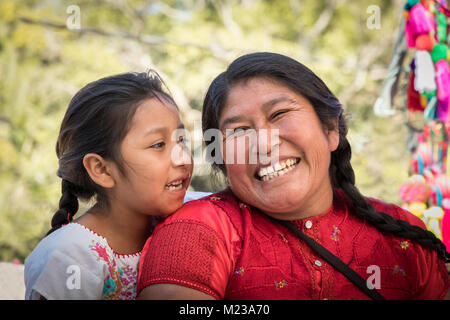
x=73, y=239
x=72, y=250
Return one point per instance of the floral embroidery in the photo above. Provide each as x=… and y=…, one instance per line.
x=215, y=198
x=398, y=270
x=280, y=284
x=120, y=283
x=239, y=271
x=242, y=205
x=335, y=233
x=404, y=245
x=283, y=237
x=101, y=251
x=109, y=286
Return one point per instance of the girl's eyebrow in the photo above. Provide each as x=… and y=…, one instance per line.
x=161, y=129
x=155, y=130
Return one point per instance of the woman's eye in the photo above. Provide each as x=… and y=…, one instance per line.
x=238, y=131
x=276, y=114
x=158, y=145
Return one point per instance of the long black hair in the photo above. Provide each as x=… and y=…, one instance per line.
x=96, y=121
x=302, y=80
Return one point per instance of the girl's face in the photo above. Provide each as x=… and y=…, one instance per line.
x=300, y=156
x=157, y=163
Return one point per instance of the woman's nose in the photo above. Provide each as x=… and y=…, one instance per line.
x=266, y=146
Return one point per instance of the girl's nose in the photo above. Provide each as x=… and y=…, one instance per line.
x=181, y=155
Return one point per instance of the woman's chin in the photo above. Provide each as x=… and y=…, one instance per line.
x=278, y=208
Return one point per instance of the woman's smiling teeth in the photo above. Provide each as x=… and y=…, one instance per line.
x=176, y=185
x=278, y=169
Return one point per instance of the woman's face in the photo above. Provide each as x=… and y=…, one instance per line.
x=157, y=163
x=301, y=186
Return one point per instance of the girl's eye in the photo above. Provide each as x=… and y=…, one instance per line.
x=158, y=145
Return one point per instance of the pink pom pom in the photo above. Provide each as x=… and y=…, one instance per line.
x=414, y=189
x=445, y=223
x=443, y=182
x=423, y=154
x=442, y=110
x=443, y=81
x=409, y=35
x=420, y=20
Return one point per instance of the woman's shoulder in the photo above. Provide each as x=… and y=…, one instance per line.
x=215, y=210
x=222, y=202
x=396, y=212
x=391, y=209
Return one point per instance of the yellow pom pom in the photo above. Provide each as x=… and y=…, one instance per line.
x=417, y=208
x=432, y=218
x=423, y=101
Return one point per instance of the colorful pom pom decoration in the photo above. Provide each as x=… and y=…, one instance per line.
x=426, y=193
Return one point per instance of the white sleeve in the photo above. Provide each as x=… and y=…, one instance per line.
x=63, y=266
x=64, y=278
x=194, y=195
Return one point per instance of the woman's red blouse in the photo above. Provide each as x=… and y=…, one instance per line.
x=230, y=250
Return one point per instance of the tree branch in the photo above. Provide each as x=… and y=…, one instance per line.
x=224, y=10
x=5, y=119
x=216, y=51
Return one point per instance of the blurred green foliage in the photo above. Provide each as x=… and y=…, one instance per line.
x=43, y=64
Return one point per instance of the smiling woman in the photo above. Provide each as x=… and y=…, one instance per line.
x=262, y=104
x=294, y=228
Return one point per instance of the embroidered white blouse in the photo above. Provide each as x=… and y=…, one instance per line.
x=74, y=262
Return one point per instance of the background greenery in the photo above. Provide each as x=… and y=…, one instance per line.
x=43, y=64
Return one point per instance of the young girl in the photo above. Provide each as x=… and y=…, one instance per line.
x=121, y=142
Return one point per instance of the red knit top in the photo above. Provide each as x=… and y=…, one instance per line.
x=230, y=250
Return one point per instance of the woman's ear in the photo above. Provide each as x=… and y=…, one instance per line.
x=99, y=170
x=333, y=137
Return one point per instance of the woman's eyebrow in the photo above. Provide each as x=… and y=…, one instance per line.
x=233, y=119
x=271, y=103
x=265, y=107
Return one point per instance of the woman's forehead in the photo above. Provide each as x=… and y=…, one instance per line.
x=257, y=94
x=259, y=89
